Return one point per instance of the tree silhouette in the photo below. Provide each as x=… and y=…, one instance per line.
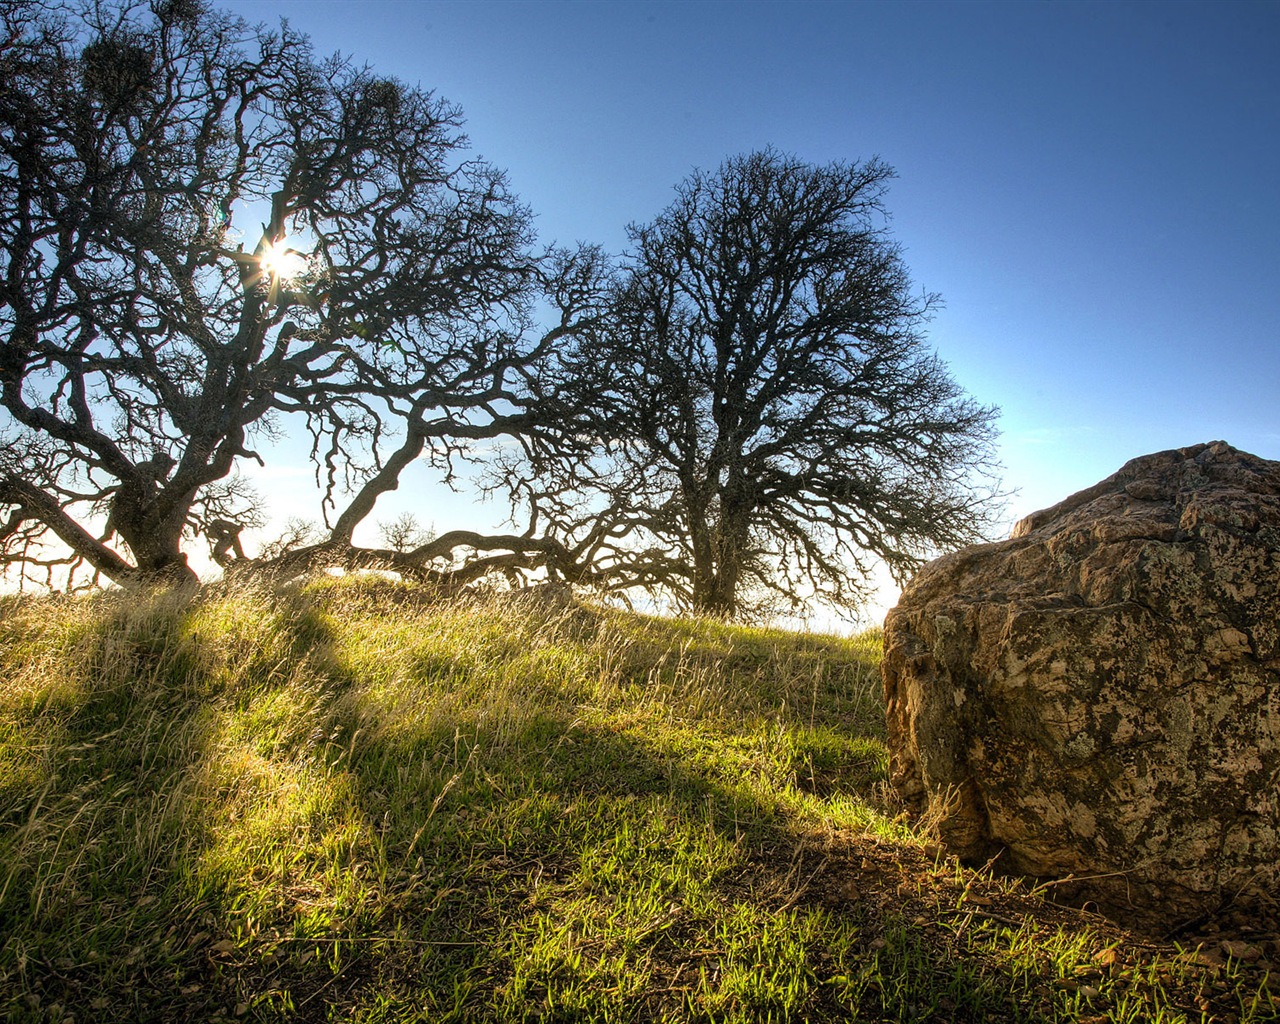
x=761, y=416
x=210, y=236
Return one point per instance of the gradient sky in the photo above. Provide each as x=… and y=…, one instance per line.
x=1093, y=188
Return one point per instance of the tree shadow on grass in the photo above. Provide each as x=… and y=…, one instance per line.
x=288, y=829
x=580, y=870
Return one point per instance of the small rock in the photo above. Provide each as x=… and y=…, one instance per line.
x=1202, y=957
x=1240, y=950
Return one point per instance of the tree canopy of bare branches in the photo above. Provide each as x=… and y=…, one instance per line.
x=211, y=237
x=207, y=234
x=761, y=416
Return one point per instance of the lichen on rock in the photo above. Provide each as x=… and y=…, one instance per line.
x=1099, y=695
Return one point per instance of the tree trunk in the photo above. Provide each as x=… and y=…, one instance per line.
x=156, y=543
x=716, y=576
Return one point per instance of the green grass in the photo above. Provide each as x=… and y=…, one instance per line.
x=350, y=800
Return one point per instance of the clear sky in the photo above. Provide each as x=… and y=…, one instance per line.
x=1093, y=188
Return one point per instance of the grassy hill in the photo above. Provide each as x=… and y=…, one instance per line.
x=353, y=801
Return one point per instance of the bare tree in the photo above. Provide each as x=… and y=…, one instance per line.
x=208, y=234
x=763, y=414
x=404, y=533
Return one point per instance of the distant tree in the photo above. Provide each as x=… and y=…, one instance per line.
x=208, y=236
x=761, y=415
x=404, y=533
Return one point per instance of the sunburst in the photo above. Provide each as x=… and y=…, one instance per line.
x=280, y=262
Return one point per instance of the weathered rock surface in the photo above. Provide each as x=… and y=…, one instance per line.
x=1099, y=695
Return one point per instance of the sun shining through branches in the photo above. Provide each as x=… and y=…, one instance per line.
x=740, y=411
x=281, y=262
x=149, y=350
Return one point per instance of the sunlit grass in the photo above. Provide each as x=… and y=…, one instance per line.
x=359, y=800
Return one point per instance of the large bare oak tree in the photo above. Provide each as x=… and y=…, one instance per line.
x=761, y=416
x=208, y=234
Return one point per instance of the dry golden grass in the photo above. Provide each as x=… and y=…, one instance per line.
x=357, y=800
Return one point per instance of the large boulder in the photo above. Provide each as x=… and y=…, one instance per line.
x=1099, y=695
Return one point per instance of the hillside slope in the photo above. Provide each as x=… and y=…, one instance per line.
x=355, y=801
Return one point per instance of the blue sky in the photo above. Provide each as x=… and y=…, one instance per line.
x=1093, y=188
